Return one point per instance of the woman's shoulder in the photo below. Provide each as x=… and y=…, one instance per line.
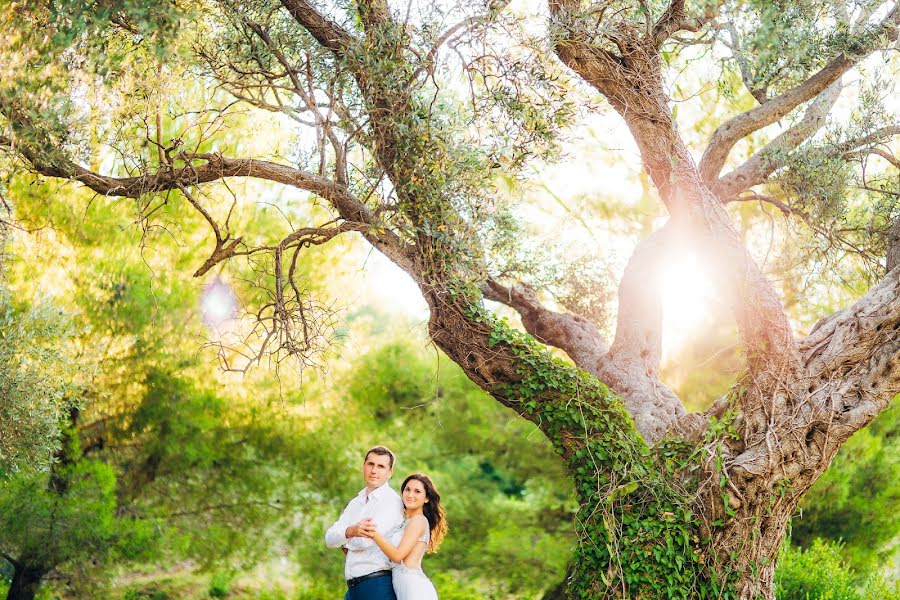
x=418, y=522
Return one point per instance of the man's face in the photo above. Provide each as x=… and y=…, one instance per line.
x=376, y=469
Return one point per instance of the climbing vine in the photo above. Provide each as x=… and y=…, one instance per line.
x=638, y=536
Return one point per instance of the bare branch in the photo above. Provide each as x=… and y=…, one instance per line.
x=323, y=123
x=735, y=129
x=883, y=154
x=785, y=208
x=216, y=167
x=450, y=32
x=760, y=93
x=876, y=137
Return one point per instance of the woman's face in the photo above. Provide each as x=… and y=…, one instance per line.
x=414, y=495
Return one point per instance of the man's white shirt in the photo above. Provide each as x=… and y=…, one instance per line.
x=384, y=506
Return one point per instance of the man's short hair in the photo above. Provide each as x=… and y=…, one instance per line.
x=381, y=451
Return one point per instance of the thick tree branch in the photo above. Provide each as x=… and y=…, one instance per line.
x=638, y=336
x=675, y=18
x=892, y=258
x=573, y=334
x=634, y=86
x=854, y=354
x=10, y=560
x=735, y=129
x=216, y=167
x=773, y=155
x=883, y=154
x=632, y=365
x=328, y=33
x=373, y=14
x=671, y=21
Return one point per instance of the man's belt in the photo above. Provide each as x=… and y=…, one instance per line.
x=355, y=581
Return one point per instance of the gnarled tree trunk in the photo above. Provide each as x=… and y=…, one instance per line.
x=26, y=582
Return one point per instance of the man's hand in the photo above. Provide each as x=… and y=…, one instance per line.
x=365, y=528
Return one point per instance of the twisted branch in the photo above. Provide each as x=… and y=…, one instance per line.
x=729, y=133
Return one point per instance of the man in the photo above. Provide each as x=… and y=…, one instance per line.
x=376, y=507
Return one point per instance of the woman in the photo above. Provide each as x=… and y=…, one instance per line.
x=423, y=531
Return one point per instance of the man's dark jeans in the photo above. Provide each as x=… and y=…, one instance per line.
x=379, y=588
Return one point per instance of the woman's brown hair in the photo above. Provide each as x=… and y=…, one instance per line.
x=432, y=510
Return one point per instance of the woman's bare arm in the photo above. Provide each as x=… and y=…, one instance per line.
x=414, y=529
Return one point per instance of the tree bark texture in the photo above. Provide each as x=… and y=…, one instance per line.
x=671, y=504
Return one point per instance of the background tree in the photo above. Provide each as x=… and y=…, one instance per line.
x=693, y=504
x=158, y=462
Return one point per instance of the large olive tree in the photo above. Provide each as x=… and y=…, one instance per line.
x=408, y=114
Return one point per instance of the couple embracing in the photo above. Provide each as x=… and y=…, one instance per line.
x=385, y=536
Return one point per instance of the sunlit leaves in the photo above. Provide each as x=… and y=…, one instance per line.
x=38, y=383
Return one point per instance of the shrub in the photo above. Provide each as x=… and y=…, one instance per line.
x=218, y=584
x=814, y=574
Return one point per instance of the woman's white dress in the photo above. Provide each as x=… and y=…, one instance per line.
x=412, y=584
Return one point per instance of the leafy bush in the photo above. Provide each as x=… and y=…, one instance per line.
x=819, y=573
x=145, y=594
x=318, y=590
x=814, y=574
x=855, y=500
x=879, y=588
x=449, y=588
x=218, y=584
x=37, y=383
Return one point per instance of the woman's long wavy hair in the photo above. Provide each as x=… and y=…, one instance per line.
x=432, y=510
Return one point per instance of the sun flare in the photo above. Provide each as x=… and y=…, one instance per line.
x=218, y=304
x=686, y=297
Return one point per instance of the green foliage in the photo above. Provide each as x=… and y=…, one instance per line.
x=391, y=380
x=43, y=43
x=212, y=475
x=38, y=383
x=243, y=466
x=45, y=527
x=855, y=501
x=634, y=525
x=451, y=588
x=218, y=584
x=819, y=573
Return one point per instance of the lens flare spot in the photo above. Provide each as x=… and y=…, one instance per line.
x=217, y=303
